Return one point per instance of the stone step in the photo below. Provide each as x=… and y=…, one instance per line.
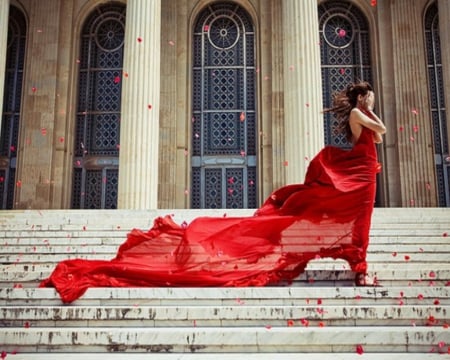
x=435, y=354
x=412, y=276
x=261, y=296
x=314, y=315
x=36, y=257
x=321, y=313
x=374, y=247
x=212, y=339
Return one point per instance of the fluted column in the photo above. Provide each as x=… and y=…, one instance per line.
x=4, y=13
x=302, y=87
x=139, y=126
x=444, y=34
x=415, y=144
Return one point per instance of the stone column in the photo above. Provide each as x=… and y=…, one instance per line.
x=139, y=127
x=4, y=13
x=302, y=87
x=415, y=141
x=444, y=34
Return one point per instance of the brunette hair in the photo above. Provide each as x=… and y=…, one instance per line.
x=343, y=103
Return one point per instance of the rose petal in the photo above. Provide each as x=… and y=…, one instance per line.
x=359, y=349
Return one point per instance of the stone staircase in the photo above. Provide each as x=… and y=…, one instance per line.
x=321, y=316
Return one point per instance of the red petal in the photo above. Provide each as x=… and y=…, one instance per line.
x=359, y=349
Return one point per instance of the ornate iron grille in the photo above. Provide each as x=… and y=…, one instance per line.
x=97, y=129
x=15, y=57
x=438, y=113
x=345, y=56
x=224, y=109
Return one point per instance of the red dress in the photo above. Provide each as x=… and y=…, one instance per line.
x=327, y=216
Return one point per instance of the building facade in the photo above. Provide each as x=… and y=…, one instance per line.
x=175, y=104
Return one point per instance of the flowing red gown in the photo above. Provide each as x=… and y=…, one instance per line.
x=327, y=216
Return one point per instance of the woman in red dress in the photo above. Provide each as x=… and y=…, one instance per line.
x=327, y=216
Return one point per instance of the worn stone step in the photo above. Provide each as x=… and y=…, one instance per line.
x=310, y=278
x=262, y=296
x=314, y=315
x=243, y=339
x=36, y=257
x=375, y=247
x=435, y=354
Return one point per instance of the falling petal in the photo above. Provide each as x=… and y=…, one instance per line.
x=171, y=43
x=342, y=71
x=394, y=254
x=139, y=39
x=432, y=274
x=19, y=183
x=268, y=327
x=416, y=128
x=373, y=2
x=34, y=89
x=437, y=302
x=290, y=323
x=401, y=128
x=242, y=117
x=414, y=111
x=359, y=349
x=61, y=139
x=407, y=257
x=285, y=163
x=117, y=80
x=342, y=33
x=206, y=28
x=445, y=234
x=420, y=297
x=149, y=106
x=44, y=131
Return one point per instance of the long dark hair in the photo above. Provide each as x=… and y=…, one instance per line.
x=343, y=103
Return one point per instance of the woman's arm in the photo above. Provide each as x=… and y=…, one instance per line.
x=373, y=122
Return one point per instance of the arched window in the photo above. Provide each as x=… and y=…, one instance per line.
x=97, y=129
x=437, y=98
x=15, y=57
x=224, y=109
x=345, y=56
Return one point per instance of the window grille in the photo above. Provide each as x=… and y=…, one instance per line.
x=97, y=129
x=437, y=105
x=224, y=109
x=15, y=57
x=345, y=56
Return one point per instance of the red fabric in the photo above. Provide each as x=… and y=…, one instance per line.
x=327, y=216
